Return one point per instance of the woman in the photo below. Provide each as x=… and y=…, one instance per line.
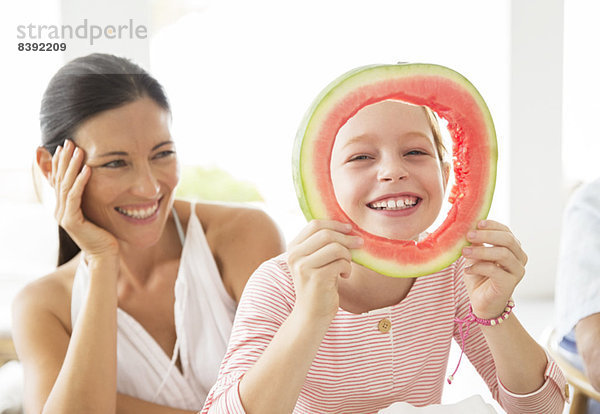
x=139, y=320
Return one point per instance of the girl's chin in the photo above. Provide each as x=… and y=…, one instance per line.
x=401, y=233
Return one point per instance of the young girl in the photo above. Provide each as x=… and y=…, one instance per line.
x=317, y=333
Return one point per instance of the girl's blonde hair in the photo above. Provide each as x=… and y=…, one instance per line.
x=437, y=133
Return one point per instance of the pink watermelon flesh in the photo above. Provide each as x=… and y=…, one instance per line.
x=474, y=161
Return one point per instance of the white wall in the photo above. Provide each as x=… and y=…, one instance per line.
x=131, y=13
x=530, y=184
x=535, y=137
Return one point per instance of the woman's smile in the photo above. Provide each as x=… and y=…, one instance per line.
x=134, y=171
x=140, y=213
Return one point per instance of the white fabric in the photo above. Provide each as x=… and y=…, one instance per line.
x=204, y=315
x=11, y=388
x=472, y=405
x=578, y=280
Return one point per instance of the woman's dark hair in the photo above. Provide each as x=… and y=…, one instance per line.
x=82, y=88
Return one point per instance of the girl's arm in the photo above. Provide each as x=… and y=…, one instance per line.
x=494, y=271
x=276, y=336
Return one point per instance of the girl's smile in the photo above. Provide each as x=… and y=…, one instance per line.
x=395, y=204
x=386, y=171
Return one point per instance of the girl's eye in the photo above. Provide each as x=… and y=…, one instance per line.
x=359, y=158
x=416, y=152
x=164, y=154
x=115, y=164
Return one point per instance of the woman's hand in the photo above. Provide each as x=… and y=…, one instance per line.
x=69, y=179
x=494, y=270
x=318, y=256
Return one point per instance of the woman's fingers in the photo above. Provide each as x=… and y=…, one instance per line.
x=64, y=157
x=67, y=169
x=72, y=171
x=55, y=159
x=60, y=163
x=72, y=208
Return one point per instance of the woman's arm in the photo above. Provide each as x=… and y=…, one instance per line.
x=76, y=372
x=242, y=239
x=65, y=373
x=130, y=405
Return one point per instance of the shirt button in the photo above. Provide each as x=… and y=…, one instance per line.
x=384, y=325
x=567, y=391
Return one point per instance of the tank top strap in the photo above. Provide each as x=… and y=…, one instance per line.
x=178, y=226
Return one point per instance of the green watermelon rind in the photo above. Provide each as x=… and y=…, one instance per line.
x=297, y=150
x=311, y=204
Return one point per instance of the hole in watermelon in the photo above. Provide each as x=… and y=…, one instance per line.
x=389, y=166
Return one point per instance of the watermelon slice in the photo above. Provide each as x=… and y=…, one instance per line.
x=474, y=150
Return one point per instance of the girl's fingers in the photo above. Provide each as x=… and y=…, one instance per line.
x=491, y=271
x=497, y=255
x=492, y=225
x=316, y=225
x=326, y=255
x=498, y=237
x=325, y=234
x=337, y=268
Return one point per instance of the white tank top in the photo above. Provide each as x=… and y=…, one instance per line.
x=204, y=315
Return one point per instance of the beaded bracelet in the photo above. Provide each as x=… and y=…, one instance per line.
x=469, y=319
x=494, y=321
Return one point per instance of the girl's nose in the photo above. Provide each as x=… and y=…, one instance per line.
x=392, y=170
x=145, y=183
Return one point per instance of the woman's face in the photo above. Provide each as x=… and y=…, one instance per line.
x=134, y=170
x=385, y=170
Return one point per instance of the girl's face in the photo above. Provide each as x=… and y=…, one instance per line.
x=385, y=170
x=134, y=170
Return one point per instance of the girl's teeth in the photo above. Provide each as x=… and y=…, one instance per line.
x=395, y=204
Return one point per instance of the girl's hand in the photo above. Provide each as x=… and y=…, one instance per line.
x=318, y=256
x=68, y=179
x=493, y=271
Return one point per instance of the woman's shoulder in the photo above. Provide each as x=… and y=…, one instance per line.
x=49, y=294
x=240, y=238
x=227, y=224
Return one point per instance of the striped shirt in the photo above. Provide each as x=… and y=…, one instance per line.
x=362, y=367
